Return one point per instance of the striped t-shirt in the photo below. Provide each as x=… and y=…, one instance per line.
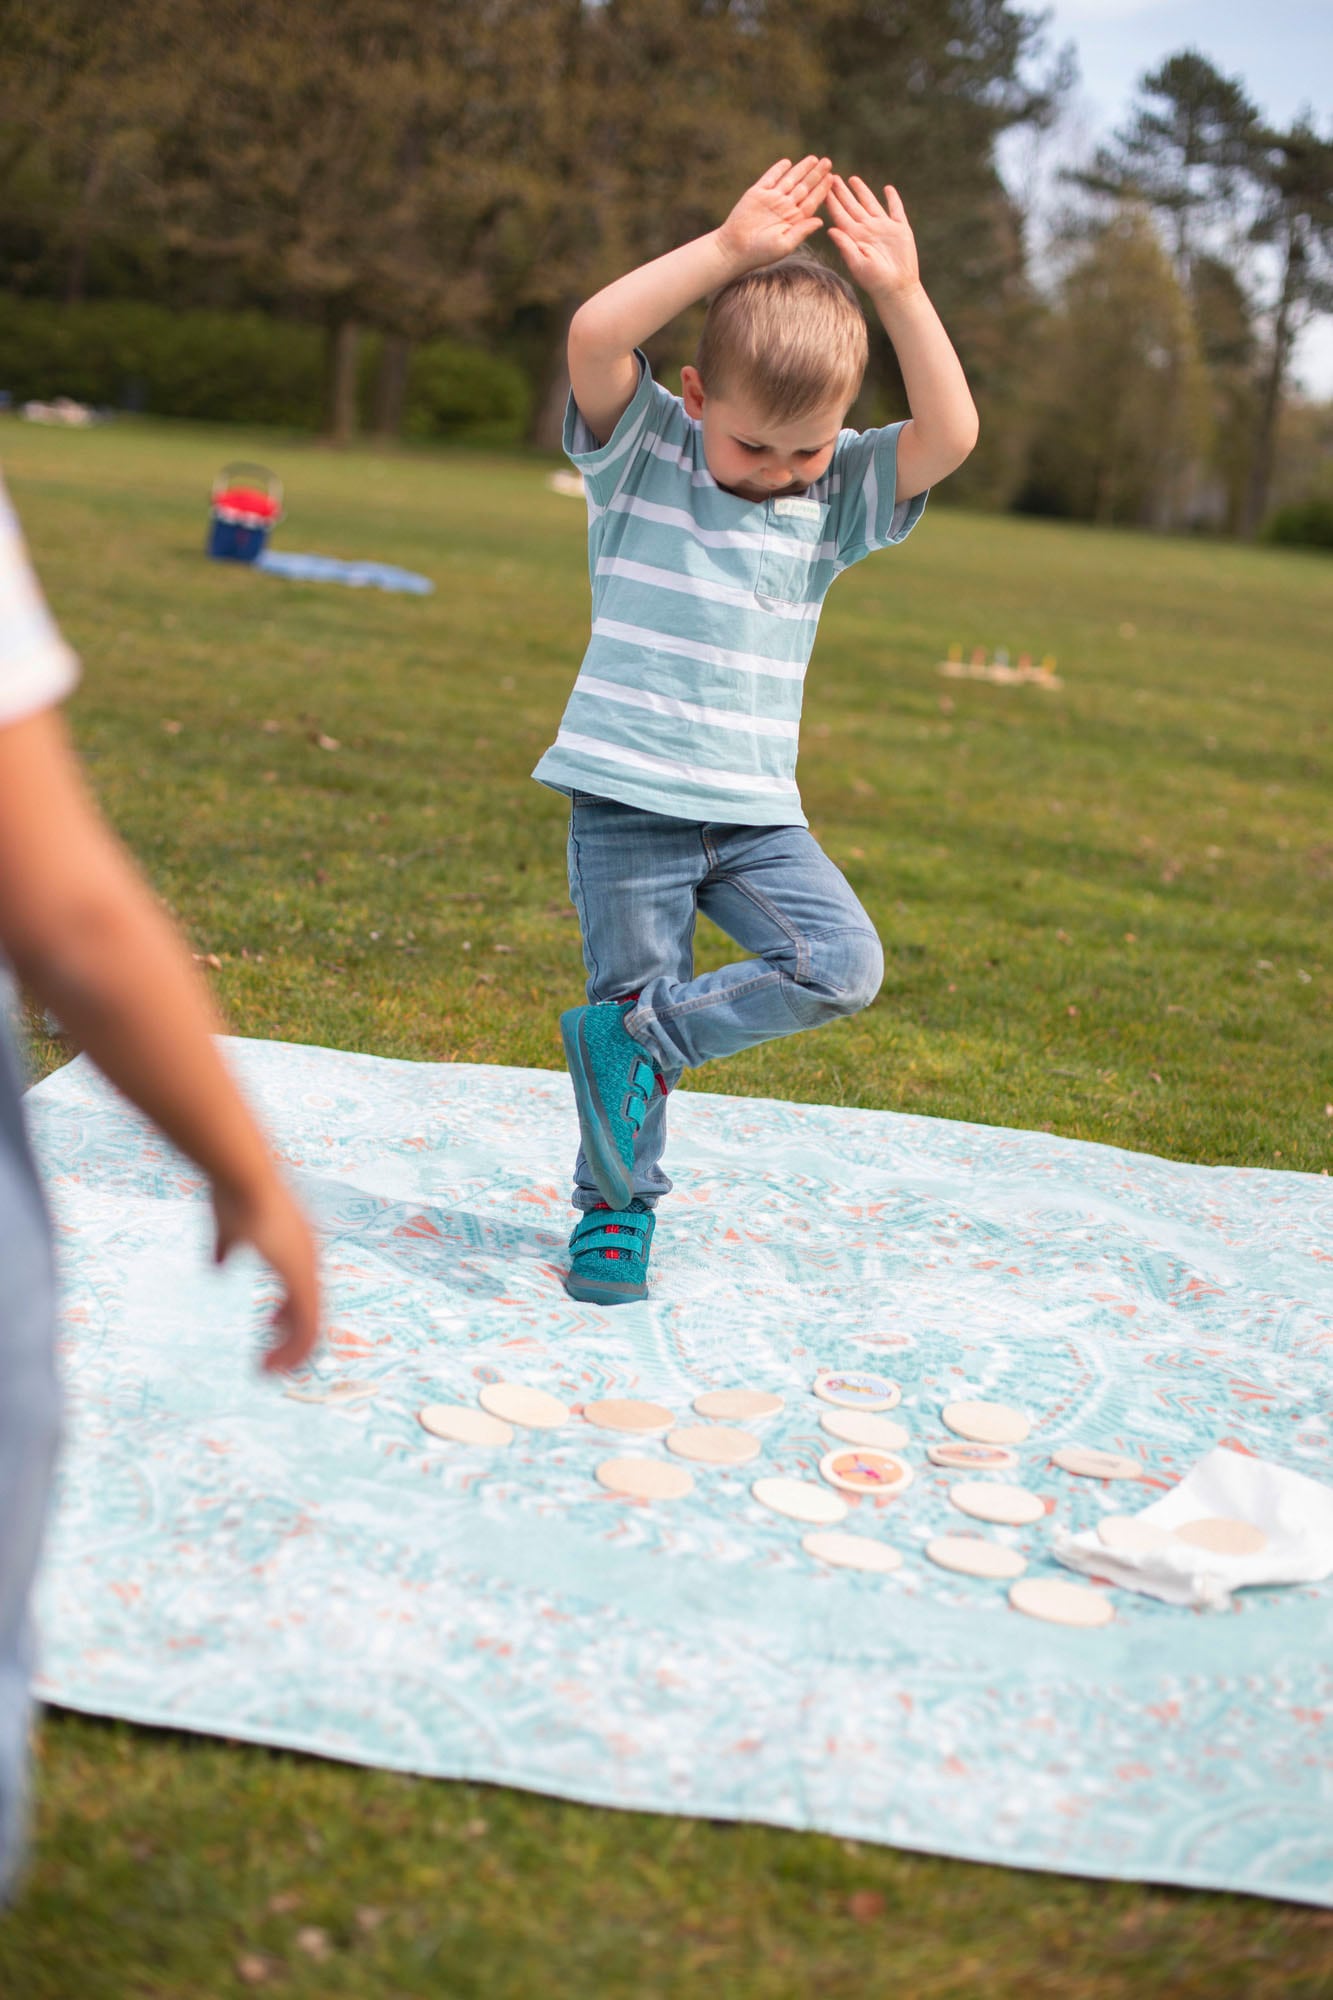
x=704, y=609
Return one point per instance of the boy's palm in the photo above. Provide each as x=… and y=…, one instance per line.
x=775, y=216
x=877, y=244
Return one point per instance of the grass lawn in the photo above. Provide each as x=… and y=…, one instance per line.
x=1105, y=913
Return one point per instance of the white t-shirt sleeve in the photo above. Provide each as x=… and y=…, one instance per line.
x=869, y=515
x=652, y=412
x=37, y=668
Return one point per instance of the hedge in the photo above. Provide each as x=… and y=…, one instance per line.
x=237, y=368
x=1305, y=524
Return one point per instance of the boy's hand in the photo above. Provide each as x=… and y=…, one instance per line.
x=272, y=1223
x=877, y=244
x=775, y=216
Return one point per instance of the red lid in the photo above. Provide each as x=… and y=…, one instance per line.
x=248, y=500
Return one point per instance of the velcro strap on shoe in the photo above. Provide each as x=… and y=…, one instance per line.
x=607, y=1229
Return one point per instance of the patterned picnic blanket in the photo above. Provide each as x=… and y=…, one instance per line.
x=312, y=1569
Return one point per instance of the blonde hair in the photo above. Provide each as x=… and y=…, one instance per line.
x=790, y=337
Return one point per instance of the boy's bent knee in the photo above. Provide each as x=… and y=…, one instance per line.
x=843, y=973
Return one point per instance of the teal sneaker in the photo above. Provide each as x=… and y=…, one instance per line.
x=608, y=1255
x=614, y=1078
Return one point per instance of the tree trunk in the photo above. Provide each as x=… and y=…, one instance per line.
x=1270, y=404
x=76, y=274
x=391, y=385
x=344, y=341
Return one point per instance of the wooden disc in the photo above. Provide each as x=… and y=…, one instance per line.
x=713, y=1444
x=1090, y=1463
x=960, y=1456
x=857, y=1468
x=461, y=1424
x=1223, y=1536
x=734, y=1406
x=860, y=1427
x=971, y=1556
x=851, y=1551
x=799, y=1500
x=1127, y=1535
x=624, y=1413
x=857, y=1390
x=987, y=1500
x=644, y=1478
x=518, y=1403
x=1060, y=1603
x=986, y=1423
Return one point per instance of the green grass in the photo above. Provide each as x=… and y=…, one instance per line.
x=1105, y=913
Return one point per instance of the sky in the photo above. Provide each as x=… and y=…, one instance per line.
x=1281, y=50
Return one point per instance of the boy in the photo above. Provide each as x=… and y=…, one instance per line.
x=86, y=935
x=717, y=522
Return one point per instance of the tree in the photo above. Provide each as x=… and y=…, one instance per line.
x=1185, y=153
x=1296, y=220
x=1121, y=387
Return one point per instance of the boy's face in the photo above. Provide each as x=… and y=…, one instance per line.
x=750, y=455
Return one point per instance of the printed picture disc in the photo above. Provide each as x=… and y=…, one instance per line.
x=861, y=1469
x=857, y=1391
x=958, y=1455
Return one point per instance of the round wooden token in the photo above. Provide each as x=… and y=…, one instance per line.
x=734, y=1406
x=1127, y=1535
x=860, y=1469
x=799, y=1500
x=859, y=1427
x=851, y=1551
x=1222, y=1536
x=987, y=1500
x=959, y=1456
x=713, y=1444
x=1089, y=1463
x=461, y=1424
x=857, y=1391
x=623, y=1413
x=986, y=1423
x=644, y=1478
x=1060, y=1603
x=971, y=1556
x=518, y=1403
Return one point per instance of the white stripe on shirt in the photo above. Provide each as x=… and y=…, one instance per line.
x=653, y=641
x=685, y=711
x=700, y=586
x=672, y=767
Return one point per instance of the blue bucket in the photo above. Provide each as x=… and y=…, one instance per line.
x=245, y=507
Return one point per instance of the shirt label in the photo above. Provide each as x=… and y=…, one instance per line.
x=799, y=510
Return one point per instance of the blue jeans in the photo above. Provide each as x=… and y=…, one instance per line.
x=29, y=1428
x=637, y=880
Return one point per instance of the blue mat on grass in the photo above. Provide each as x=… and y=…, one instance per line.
x=319, y=1573
x=299, y=568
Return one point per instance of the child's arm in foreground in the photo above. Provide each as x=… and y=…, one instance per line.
x=880, y=254
x=85, y=934
x=770, y=220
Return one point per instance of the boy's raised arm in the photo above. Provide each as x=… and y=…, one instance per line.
x=880, y=254
x=770, y=220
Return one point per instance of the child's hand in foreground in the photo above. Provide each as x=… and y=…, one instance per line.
x=270, y=1221
x=775, y=216
x=877, y=244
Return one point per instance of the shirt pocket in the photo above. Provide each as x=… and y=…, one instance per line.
x=792, y=547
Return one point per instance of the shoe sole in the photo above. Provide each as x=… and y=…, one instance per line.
x=590, y=1292
x=614, y=1183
